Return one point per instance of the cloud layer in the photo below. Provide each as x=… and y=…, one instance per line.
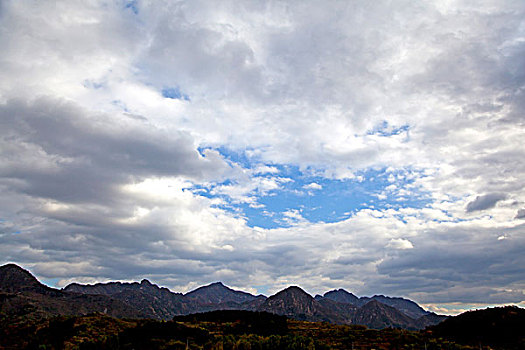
x=147, y=139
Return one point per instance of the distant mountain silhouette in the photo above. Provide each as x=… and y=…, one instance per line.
x=21, y=293
x=406, y=306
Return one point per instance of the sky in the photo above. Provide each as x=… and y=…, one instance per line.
x=375, y=146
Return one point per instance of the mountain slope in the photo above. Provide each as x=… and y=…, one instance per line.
x=408, y=307
x=296, y=303
x=344, y=310
x=22, y=295
x=375, y=314
x=342, y=296
x=430, y=319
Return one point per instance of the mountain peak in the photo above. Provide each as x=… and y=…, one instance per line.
x=292, y=295
x=14, y=279
x=294, y=290
x=217, y=284
x=13, y=269
x=342, y=296
x=217, y=292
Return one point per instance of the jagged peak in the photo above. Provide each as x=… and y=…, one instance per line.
x=293, y=290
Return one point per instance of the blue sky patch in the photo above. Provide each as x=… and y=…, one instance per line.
x=303, y=196
x=92, y=84
x=174, y=93
x=132, y=5
x=50, y=282
x=385, y=129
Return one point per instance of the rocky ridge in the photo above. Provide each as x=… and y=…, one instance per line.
x=22, y=294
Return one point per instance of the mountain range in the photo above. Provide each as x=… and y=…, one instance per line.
x=21, y=294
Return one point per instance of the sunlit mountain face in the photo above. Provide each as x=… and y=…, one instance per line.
x=373, y=147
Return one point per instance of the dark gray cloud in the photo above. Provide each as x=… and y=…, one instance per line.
x=486, y=201
x=520, y=214
x=85, y=157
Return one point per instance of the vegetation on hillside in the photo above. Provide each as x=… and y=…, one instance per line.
x=219, y=330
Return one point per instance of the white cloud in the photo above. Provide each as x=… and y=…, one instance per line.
x=400, y=243
x=313, y=186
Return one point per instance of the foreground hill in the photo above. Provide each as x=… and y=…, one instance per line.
x=21, y=294
x=219, y=330
x=502, y=327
